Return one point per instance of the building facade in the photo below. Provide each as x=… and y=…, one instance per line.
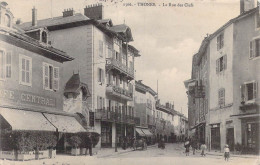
x=31, y=82
x=105, y=63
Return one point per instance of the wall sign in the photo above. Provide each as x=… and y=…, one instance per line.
x=26, y=97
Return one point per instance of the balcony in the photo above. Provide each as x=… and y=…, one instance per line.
x=119, y=92
x=112, y=63
x=110, y=116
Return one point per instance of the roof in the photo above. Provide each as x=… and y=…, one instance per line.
x=17, y=37
x=145, y=88
x=105, y=21
x=53, y=21
x=74, y=85
x=56, y=23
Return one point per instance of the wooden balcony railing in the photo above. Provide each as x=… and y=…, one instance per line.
x=115, y=64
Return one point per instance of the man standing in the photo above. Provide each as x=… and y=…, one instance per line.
x=89, y=144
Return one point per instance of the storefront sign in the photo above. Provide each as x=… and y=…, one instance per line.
x=26, y=97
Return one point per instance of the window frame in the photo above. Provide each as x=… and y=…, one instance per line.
x=21, y=57
x=221, y=100
x=223, y=64
x=253, y=47
x=49, y=77
x=244, y=91
x=220, y=41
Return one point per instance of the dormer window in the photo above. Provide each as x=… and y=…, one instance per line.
x=44, y=36
x=7, y=20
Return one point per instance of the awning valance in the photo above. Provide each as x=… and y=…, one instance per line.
x=147, y=132
x=66, y=124
x=26, y=120
x=139, y=131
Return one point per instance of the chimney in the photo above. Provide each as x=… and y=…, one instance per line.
x=246, y=5
x=68, y=12
x=94, y=11
x=34, y=16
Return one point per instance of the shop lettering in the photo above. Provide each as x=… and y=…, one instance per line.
x=25, y=97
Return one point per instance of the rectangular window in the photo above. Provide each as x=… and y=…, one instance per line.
x=101, y=77
x=25, y=67
x=101, y=49
x=2, y=65
x=254, y=48
x=221, y=97
x=249, y=91
x=221, y=64
x=220, y=41
x=8, y=65
x=5, y=64
x=50, y=77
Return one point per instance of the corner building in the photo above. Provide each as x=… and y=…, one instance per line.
x=104, y=61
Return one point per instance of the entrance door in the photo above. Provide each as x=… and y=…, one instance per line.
x=106, y=134
x=253, y=137
x=215, y=138
x=230, y=138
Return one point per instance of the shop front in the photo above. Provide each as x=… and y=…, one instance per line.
x=215, y=137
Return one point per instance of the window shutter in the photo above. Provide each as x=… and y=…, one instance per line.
x=2, y=65
x=254, y=48
x=45, y=73
x=255, y=87
x=98, y=105
x=218, y=42
x=98, y=75
x=251, y=49
x=222, y=40
x=223, y=97
x=242, y=88
x=103, y=76
x=100, y=48
x=56, y=78
x=217, y=66
x=225, y=62
x=8, y=64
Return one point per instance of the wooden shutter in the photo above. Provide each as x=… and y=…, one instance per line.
x=2, y=65
x=254, y=49
x=217, y=66
x=99, y=75
x=242, y=90
x=8, y=64
x=251, y=50
x=100, y=48
x=255, y=88
x=102, y=76
x=56, y=78
x=225, y=62
x=222, y=40
x=45, y=74
x=218, y=42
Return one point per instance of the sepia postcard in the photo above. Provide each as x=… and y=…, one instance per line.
x=129, y=82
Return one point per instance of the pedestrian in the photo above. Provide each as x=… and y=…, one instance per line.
x=226, y=152
x=162, y=143
x=187, y=147
x=194, y=145
x=89, y=144
x=203, y=148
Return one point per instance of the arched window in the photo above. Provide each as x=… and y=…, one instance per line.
x=7, y=21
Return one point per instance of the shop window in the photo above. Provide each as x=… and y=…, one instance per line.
x=221, y=97
x=221, y=64
x=50, y=77
x=25, y=67
x=254, y=48
x=220, y=41
x=249, y=91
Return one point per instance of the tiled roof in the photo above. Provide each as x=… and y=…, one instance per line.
x=54, y=21
x=20, y=36
x=119, y=28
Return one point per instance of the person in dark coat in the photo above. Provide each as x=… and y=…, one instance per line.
x=89, y=143
x=194, y=145
x=187, y=147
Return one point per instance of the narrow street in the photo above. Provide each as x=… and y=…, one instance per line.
x=172, y=154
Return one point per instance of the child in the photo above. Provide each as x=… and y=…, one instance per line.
x=226, y=152
x=203, y=147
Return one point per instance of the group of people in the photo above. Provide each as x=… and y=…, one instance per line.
x=194, y=144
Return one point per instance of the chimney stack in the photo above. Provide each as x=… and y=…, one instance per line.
x=246, y=5
x=34, y=16
x=68, y=12
x=94, y=11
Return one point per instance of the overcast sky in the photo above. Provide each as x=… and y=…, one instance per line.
x=167, y=37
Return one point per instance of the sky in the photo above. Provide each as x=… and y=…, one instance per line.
x=167, y=37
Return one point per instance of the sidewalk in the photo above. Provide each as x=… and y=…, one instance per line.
x=218, y=153
x=107, y=152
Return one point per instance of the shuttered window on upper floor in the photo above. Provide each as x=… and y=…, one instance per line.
x=254, y=48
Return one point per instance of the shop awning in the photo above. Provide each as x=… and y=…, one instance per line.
x=66, y=124
x=139, y=131
x=26, y=120
x=147, y=132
